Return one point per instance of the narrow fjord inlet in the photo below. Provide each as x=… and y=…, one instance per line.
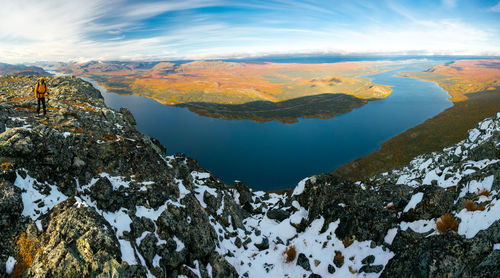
x=273, y=155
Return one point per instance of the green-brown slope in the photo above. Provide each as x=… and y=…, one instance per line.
x=448, y=127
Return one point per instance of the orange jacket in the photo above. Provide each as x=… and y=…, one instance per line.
x=41, y=90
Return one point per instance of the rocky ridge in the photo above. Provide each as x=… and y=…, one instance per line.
x=83, y=193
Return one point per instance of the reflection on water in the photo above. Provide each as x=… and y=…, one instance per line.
x=273, y=155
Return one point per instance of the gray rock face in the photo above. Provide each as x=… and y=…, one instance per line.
x=447, y=254
x=278, y=214
x=335, y=198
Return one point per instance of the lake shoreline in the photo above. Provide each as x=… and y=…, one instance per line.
x=479, y=105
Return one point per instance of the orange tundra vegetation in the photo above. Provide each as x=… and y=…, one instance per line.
x=462, y=77
x=237, y=83
x=233, y=83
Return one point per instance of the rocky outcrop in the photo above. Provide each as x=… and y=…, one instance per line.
x=84, y=194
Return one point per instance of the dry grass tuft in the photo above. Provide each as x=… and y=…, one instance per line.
x=290, y=254
x=483, y=192
x=471, y=206
x=447, y=222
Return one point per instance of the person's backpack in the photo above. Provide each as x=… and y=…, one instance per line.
x=38, y=83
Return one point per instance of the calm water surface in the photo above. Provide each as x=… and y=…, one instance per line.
x=273, y=155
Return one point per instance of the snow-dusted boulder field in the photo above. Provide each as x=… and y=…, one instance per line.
x=84, y=194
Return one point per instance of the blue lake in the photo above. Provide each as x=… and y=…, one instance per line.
x=273, y=155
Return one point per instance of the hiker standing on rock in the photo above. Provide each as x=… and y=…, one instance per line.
x=40, y=91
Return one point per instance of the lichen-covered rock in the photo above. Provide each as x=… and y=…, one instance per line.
x=75, y=241
x=436, y=201
x=438, y=256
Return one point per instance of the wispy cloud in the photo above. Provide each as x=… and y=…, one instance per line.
x=496, y=8
x=61, y=30
x=449, y=3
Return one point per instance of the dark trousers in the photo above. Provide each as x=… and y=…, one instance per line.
x=42, y=100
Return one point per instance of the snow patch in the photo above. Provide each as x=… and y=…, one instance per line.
x=300, y=187
x=156, y=261
x=391, y=234
x=474, y=221
x=39, y=226
x=419, y=226
x=179, y=243
x=415, y=199
x=150, y=213
x=127, y=252
x=473, y=134
x=34, y=202
x=9, y=265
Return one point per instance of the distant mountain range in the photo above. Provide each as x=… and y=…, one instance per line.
x=22, y=69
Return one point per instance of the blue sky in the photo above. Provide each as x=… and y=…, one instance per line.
x=60, y=30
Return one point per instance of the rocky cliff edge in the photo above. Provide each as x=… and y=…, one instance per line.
x=83, y=193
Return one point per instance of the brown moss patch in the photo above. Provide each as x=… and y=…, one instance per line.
x=19, y=98
x=77, y=130
x=25, y=106
x=338, y=258
x=347, y=241
x=352, y=270
x=290, y=253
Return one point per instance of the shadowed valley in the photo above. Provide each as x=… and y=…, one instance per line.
x=322, y=106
